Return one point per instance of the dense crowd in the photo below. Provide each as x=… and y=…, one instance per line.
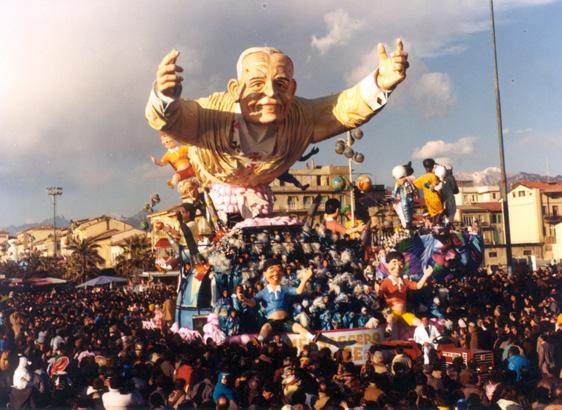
x=115, y=362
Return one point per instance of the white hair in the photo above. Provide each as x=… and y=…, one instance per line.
x=253, y=50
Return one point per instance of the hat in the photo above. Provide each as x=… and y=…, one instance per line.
x=399, y=171
x=271, y=262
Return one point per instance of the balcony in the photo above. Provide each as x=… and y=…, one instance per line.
x=553, y=219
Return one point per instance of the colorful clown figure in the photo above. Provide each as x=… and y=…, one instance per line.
x=404, y=194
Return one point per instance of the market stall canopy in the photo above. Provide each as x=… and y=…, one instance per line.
x=102, y=280
x=46, y=281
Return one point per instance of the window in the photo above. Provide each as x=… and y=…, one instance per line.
x=554, y=210
x=521, y=194
x=318, y=180
x=292, y=202
x=527, y=252
x=307, y=200
x=494, y=195
x=492, y=254
x=513, y=194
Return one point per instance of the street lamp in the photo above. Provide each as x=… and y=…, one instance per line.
x=344, y=147
x=53, y=192
x=504, y=189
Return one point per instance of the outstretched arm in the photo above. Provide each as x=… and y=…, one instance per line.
x=307, y=275
x=315, y=150
x=165, y=109
x=427, y=272
x=158, y=162
x=355, y=106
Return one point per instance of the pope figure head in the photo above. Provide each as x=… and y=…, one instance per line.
x=265, y=86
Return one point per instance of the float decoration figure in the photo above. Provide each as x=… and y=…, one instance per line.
x=242, y=139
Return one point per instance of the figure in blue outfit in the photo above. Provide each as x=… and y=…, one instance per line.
x=194, y=292
x=404, y=194
x=276, y=300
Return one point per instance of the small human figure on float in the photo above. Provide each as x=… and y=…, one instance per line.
x=177, y=157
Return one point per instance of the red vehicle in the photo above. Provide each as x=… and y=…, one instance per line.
x=484, y=358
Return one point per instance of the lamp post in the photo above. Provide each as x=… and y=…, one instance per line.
x=149, y=208
x=53, y=192
x=344, y=148
x=503, y=186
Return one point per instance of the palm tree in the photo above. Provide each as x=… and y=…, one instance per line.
x=84, y=257
x=137, y=254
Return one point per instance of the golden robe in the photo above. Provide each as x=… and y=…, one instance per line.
x=216, y=158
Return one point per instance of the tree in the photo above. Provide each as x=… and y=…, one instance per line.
x=84, y=259
x=137, y=255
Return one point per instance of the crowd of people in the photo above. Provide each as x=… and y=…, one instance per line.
x=88, y=348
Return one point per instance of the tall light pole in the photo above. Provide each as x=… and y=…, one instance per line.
x=503, y=187
x=53, y=192
x=344, y=147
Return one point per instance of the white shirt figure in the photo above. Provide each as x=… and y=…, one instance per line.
x=426, y=334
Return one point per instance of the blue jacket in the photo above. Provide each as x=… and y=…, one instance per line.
x=223, y=389
x=516, y=363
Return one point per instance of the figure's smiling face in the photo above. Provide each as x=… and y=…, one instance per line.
x=266, y=87
x=273, y=275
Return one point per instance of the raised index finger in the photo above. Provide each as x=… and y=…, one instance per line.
x=171, y=57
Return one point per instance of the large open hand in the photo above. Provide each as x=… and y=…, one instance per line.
x=392, y=69
x=168, y=82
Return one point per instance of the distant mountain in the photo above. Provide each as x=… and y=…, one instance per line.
x=492, y=176
x=134, y=220
x=61, y=222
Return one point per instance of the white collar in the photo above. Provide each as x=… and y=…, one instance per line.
x=274, y=289
x=395, y=282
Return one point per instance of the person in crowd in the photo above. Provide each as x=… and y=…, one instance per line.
x=99, y=332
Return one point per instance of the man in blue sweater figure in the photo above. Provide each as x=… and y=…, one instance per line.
x=276, y=300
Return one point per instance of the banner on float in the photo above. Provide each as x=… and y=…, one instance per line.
x=356, y=340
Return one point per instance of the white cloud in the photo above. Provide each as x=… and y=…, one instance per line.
x=341, y=27
x=445, y=150
x=75, y=76
x=434, y=94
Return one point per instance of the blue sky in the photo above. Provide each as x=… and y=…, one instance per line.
x=75, y=76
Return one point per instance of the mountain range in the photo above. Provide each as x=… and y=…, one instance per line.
x=487, y=176
x=62, y=222
x=492, y=176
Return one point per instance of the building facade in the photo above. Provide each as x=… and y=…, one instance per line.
x=320, y=180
